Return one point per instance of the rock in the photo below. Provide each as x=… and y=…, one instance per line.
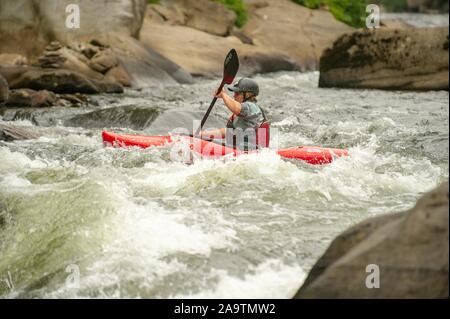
x=208, y=16
x=27, y=24
x=4, y=90
x=204, y=15
x=186, y=47
x=394, y=24
x=12, y=133
x=30, y=98
x=56, y=80
x=427, y=6
x=73, y=100
x=171, y=14
x=293, y=30
x=103, y=61
x=133, y=117
x=411, y=250
x=11, y=59
x=393, y=59
x=144, y=66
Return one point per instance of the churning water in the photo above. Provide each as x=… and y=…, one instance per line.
x=134, y=224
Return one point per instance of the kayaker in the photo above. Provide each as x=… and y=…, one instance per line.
x=247, y=128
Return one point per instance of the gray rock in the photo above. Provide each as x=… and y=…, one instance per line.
x=394, y=59
x=411, y=250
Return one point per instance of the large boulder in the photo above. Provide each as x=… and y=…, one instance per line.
x=4, y=90
x=26, y=25
x=205, y=15
x=408, y=59
x=410, y=249
x=280, y=35
x=202, y=53
x=294, y=30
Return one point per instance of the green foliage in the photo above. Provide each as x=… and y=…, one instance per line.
x=351, y=12
x=154, y=1
x=239, y=8
x=312, y=4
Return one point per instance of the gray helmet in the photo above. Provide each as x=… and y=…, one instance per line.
x=245, y=85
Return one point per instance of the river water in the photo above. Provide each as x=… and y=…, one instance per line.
x=78, y=219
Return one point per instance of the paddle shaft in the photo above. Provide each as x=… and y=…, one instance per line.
x=205, y=117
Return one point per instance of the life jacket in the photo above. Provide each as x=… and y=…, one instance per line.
x=262, y=132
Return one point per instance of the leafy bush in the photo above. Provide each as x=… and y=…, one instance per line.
x=153, y=1
x=239, y=8
x=351, y=12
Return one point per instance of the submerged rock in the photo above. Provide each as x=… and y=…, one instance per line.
x=394, y=59
x=410, y=249
x=133, y=117
x=12, y=133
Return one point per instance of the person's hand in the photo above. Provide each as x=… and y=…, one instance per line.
x=220, y=94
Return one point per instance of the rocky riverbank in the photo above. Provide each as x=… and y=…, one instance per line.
x=409, y=249
x=136, y=44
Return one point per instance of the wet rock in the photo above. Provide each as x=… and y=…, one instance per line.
x=56, y=80
x=133, y=117
x=11, y=59
x=4, y=90
x=397, y=59
x=12, y=133
x=30, y=98
x=410, y=249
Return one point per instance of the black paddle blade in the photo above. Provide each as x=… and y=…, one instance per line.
x=231, y=66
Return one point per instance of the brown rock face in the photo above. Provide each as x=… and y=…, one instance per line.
x=298, y=32
x=203, y=15
x=408, y=59
x=4, y=90
x=31, y=98
x=56, y=80
x=410, y=249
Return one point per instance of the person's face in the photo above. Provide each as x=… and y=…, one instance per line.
x=239, y=97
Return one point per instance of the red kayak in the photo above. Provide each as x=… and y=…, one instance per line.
x=310, y=154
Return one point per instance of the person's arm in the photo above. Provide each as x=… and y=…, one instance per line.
x=232, y=105
x=220, y=133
